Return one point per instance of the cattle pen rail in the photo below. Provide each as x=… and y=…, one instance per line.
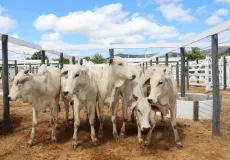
x=193, y=42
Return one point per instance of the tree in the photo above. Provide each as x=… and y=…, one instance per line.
x=97, y=58
x=87, y=58
x=65, y=60
x=195, y=54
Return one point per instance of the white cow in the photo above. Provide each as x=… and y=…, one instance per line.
x=146, y=121
x=111, y=77
x=164, y=94
x=81, y=85
x=40, y=90
x=126, y=91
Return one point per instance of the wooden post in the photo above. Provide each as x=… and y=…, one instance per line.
x=48, y=61
x=182, y=76
x=111, y=53
x=146, y=63
x=177, y=74
x=157, y=60
x=5, y=85
x=30, y=68
x=225, y=72
x=151, y=62
x=187, y=74
x=215, y=84
x=15, y=67
x=43, y=57
x=196, y=110
x=73, y=60
x=61, y=60
x=81, y=61
x=166, y=59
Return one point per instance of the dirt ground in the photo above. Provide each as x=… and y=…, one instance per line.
x=197, y=138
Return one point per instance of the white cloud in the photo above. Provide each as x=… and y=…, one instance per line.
x=45, y=22
x=186, y=36
x=201, y=9
x=175, y=12
x=222, y=11
x=167, y=1
x=6, y=23
x=144, y=3
x=106, y=24
x=223, y=1
x=2, y=9
x=15, y=36
x=213, y=20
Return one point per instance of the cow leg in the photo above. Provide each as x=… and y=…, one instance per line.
x=91, y=113
x=101, y=119
x=54, y=121
x=34, y=124
x=125, y=117
x=139, y=136
x=66, y=114
x=76, y=122
x=114, y=116
x=174, y=126
x=149, y=135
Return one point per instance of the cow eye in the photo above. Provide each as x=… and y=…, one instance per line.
x=139, y=111
x=120, y=64
x=17, y=83
x=160, y=83
x=76, y=75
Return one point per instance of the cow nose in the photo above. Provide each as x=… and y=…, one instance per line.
x=66, y=93
x=133, y=77
x=150, y=100
x=9, y=98
x=145, y=131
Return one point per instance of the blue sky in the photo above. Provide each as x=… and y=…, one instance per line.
x=53, y=23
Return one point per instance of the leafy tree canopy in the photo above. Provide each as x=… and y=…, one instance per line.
x=195, y=54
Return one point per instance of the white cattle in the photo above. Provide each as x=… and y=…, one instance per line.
x=146, y=121
x=163, y=94
x=111, y=77
x=81, y=85
x=126, y=91
x=40, y=90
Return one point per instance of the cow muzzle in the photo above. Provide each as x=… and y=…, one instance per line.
x=144, y=131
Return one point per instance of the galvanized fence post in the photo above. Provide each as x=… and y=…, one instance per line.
x=225, y=72
x=61, y=60
x=166, y=59
x=182, y=85
x=43, y=57
x=73, y=60
x=15, y=67
x=177, y=74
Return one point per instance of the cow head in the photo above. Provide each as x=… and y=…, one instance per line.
x=120, y=70
x=161, y=84
x=77, y=78
x=144, y=114
x=19, y=87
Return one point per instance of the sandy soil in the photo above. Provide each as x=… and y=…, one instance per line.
x=197, y=138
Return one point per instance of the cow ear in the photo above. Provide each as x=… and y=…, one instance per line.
x=135, y=97
x=146, y=82
x=26, y=71
x=22, y=81
x=111, y=61
x=63, y=73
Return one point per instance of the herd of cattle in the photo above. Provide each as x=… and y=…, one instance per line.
x=93, y=88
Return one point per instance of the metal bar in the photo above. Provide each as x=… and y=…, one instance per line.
x=197, y=62
x=47, y=61
x=157, y=60
x=146, y=65
x=43, y=57
x=166, y=59
x=61, y=60
x=182, y=79
x=177, y=74
x=187, y=74
x=5, y=85
x=225, y=72
x=15, y=67
x=151, y=62
x=143, y=67
x=73, y=60
x=215, y=84
x=111, y=53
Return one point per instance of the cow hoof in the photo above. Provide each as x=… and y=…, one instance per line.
x=144, y=145
x=122, y=136
x=179, y=145
x=54, y=140
x=95, y=143
x=75, y=144
x=116, y=137
x=29, y=145
x=100, y=136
